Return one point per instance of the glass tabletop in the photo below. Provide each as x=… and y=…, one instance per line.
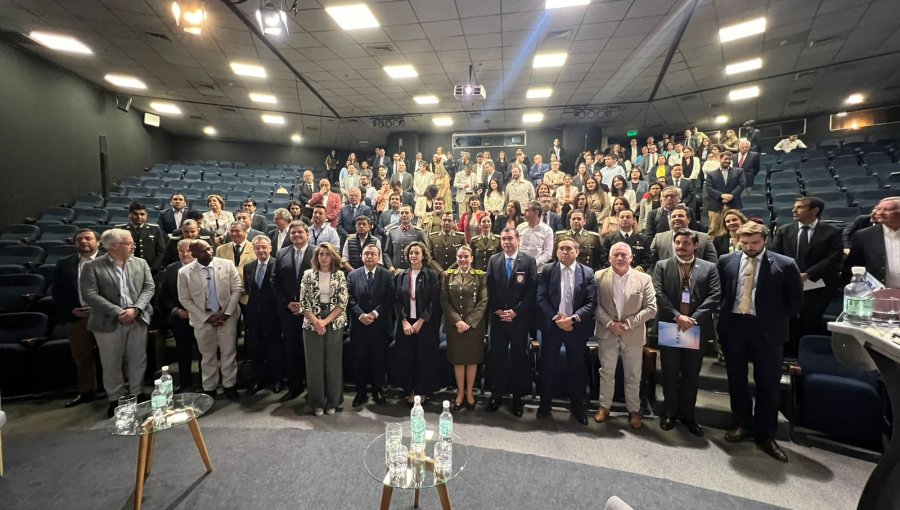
x=185, y=408
x=419, y=474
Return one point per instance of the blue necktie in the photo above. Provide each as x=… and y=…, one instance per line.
x=370, y=279
x=508, y=268
x=212, y=296
x=260, y=273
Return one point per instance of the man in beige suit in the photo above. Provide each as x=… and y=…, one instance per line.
x=626, y=301
x=239, y=250
x=209, y=289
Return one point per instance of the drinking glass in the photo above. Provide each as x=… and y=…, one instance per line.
x=399, y=455
x=886, y=311
x=129, y=403
x=443, y=457
x=124, y=421
x=393, y=436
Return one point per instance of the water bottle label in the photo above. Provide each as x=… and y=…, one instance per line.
x=446, y=428
x=858, y=307
x=158, y=402
x=167, y=387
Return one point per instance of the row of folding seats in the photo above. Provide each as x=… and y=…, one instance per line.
x=42, y=363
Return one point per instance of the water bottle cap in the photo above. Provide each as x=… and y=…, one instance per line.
x=446, y=404
x=417, y=399
x=858, y=270
x=157, y=382
x=165, y=368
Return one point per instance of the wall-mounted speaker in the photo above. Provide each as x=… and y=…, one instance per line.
x=123, y=103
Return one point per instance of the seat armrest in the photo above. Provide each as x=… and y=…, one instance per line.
x=33, y=342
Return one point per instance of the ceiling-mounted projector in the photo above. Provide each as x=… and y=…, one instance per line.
x=469, y=92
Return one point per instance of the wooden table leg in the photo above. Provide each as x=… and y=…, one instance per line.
x=416, y=500
x=386, y=497
x=141, y=470
x=444, y=494
x=150, y=448
x=201, y=445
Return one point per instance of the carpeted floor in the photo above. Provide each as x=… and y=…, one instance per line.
x=307, y=469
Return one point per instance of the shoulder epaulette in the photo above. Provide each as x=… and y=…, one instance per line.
x=151, y=224
x=592, y=233
x=479, y=272
x=452, y=271
x=392, y=227
x=433, y=234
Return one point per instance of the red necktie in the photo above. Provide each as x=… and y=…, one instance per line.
x=741, y=161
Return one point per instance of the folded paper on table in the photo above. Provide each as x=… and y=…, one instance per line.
x=813, y=284
x=670, y=336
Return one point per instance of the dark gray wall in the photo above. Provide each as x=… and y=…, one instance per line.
x=49, y=124
x=184, y=149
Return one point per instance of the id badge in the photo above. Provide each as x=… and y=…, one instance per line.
x=686, y=296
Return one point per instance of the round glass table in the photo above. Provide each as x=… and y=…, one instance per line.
x=419, y=474
x=185, y=409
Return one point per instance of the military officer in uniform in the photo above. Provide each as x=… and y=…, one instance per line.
x=442, y=245
x=398, y=237
x=640, y=243
x=431, y=223
x=149, y=240
x=589, y=243
x=484, y=245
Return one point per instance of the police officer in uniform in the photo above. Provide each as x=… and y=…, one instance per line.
x=442, y=245
x=640, y=243
x=589, y=243
x=398, y=237
x=431, y=223
x=484, y=245
x=149, y=239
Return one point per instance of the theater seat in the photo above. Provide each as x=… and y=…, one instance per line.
x=17, y=358
x=23, y=255
x=58, y=232
x=19, y=291
x=20, y=232
x=63, y=214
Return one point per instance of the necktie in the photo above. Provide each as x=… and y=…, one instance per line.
x=353, y=211
x=297, y=262
x=685, y=272
x=509, y=262
x=238, y=248
x=803, y=248
x=370, y=280
x=546, y=219
x=747, y=291
x=565, y=302
x=625, y=236
x=212, y=296
x=677, y=182
x=741, y=161
x=260, y=274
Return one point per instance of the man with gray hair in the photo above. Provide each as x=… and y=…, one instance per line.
x=280, y=236
x=118, y=288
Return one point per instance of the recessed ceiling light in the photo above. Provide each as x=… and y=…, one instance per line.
x=269, y=118
x=128, y=82
x=426, y=99
x=744, y=93
x=404, y=71
x=539, y=92
x=248, y=70
x=296, y=138
x=263, y=98
x=549, y=60
x=532, y=117
x=855, y=99
x=210, y=131
x=166, y=108
x=442, y=121
x=721, y=119
x=353, y=17
x=60, y=42
x=741, y=30
x=557, y=4
x=743, y=67
x=841, y=114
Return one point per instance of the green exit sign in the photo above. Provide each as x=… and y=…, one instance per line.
x=631, y=132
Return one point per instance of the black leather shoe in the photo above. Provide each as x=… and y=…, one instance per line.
x=693, y=427
x=666, y=424
x=252, y=390
x=83, y=398
x=378, y=398
x=494, y=404
x=143, y=397
x=771, y=447
x=738, y=434
x=543, y=412
x=290, y=395
x=518, y=407
x=580, y=417
x=458, y=406
x=277, y=387
x=211, y=393
x=232, y=393
x=360, y=399
x=111, y=410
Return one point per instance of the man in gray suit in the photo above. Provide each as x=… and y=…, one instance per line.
x=663, y=245
x=404, y=178
x=687, y=293
x=118, y=288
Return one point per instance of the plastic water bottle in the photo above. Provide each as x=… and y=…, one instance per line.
x=158, y=403
x=417, y=428
x=858, y=299
x=445, y=425
x=167, y=385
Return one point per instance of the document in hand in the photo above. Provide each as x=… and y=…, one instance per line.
x=671, y=336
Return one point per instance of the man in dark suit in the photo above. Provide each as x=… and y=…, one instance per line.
x=663, y=244
x=639, y=243
x=281, y=236
x=761, y=292
x=723, y=189
x=548, y=216
x=177, y=316
x=149, y=240
x=687, y=294
x=306, y=188
x=257, y=221
x=72, y=311
x=371, y=290
x=816, y=249
x=869, y=247
x=190, y=229
x=566, y=302
x=511, y=283
x=171, y=218
x=389, y=217
x=748, y=161
x=559, y=152
x=403, y=178
x=261, y=320
x=353, y=209
x=290, y=263
x=677, y=179
x=659, y=218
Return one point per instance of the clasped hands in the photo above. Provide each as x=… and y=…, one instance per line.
x=320, y=325
x=217, y=319
x=684, y=322
x=411, y=329
x=563, y=322
x=128, y=316
x=618, y=328
x=506, y=315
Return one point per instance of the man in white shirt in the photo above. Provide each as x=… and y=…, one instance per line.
x=877, y=248
x=536, y=238
x=789, y=144
x=609, y=171
x=519, y=189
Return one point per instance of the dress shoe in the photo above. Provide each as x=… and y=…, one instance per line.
x=602, y=415
x=518, y=407
x=231, y=393
x=111, y=410
x=360, y=399
x=378, y=398
x=543, y=412
x=290, y=395
x=82, y=398
x=580, y=417
x=319, y=411
x=329, y=411
x=458, y=405
x=667, y=424
x=211, y=393
x=470, y=404
x=693, y=427
x=771, y=447
x=738, y=434
x=252, y=390
x=277, y=387
x=634, y=419
x=494, y=404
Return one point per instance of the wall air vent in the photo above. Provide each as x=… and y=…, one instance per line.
x=380, y=49
x=207, y=89
x=715, y=106
x=558, y=35
x=823, y=41
x=226, y=110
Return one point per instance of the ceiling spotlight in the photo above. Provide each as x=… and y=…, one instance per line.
x=296, y=138
x=127, y=82
x=271, y=17
x=190, y=15
x=210, y=131
x=165, y=108
x=721, y=119
x=263, y=98
x=581, y=114
x=60, y=42
x=855, y=99
x=442, y=121
x=276, y=120
x=591, y=114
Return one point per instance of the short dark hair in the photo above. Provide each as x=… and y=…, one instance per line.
x=193, y=215
x=362, y=218
x=83, y=231
x=535, y=206
x=682, y=207
x=249, y=201
x=813, y=203
x=514, y=230
x=178, y=193
x=686, y=232
x=136, y=206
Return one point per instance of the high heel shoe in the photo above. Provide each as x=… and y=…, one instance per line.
x=457, y=405
x=470, y=405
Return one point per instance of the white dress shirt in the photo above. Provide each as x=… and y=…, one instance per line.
x=891, y=257
x=536, y=241
x=567, y=288
x=81, y=262
x=739, y=291
x=619, y=283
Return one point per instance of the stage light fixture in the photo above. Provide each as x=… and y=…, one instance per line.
x=190, y=15
x=272, y=17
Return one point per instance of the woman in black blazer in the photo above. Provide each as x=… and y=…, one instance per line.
x=417, y=293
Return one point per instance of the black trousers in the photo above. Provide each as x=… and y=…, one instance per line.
x=417, y=358
x=576, y=359
x=508, y=368
x=743, y=343
x=293, y=349
x=265, y=346
x=810, y=321
x=368, y=346
x=680, y=380
x=184, y=349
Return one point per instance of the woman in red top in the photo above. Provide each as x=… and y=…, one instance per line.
x=470, y=221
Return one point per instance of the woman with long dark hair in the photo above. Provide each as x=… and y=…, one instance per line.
x=581, y=204
x=512, y=218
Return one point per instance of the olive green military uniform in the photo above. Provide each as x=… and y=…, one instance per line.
x=464, y=297
x=483, y=246
x=589, y=246
x=442, y=248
